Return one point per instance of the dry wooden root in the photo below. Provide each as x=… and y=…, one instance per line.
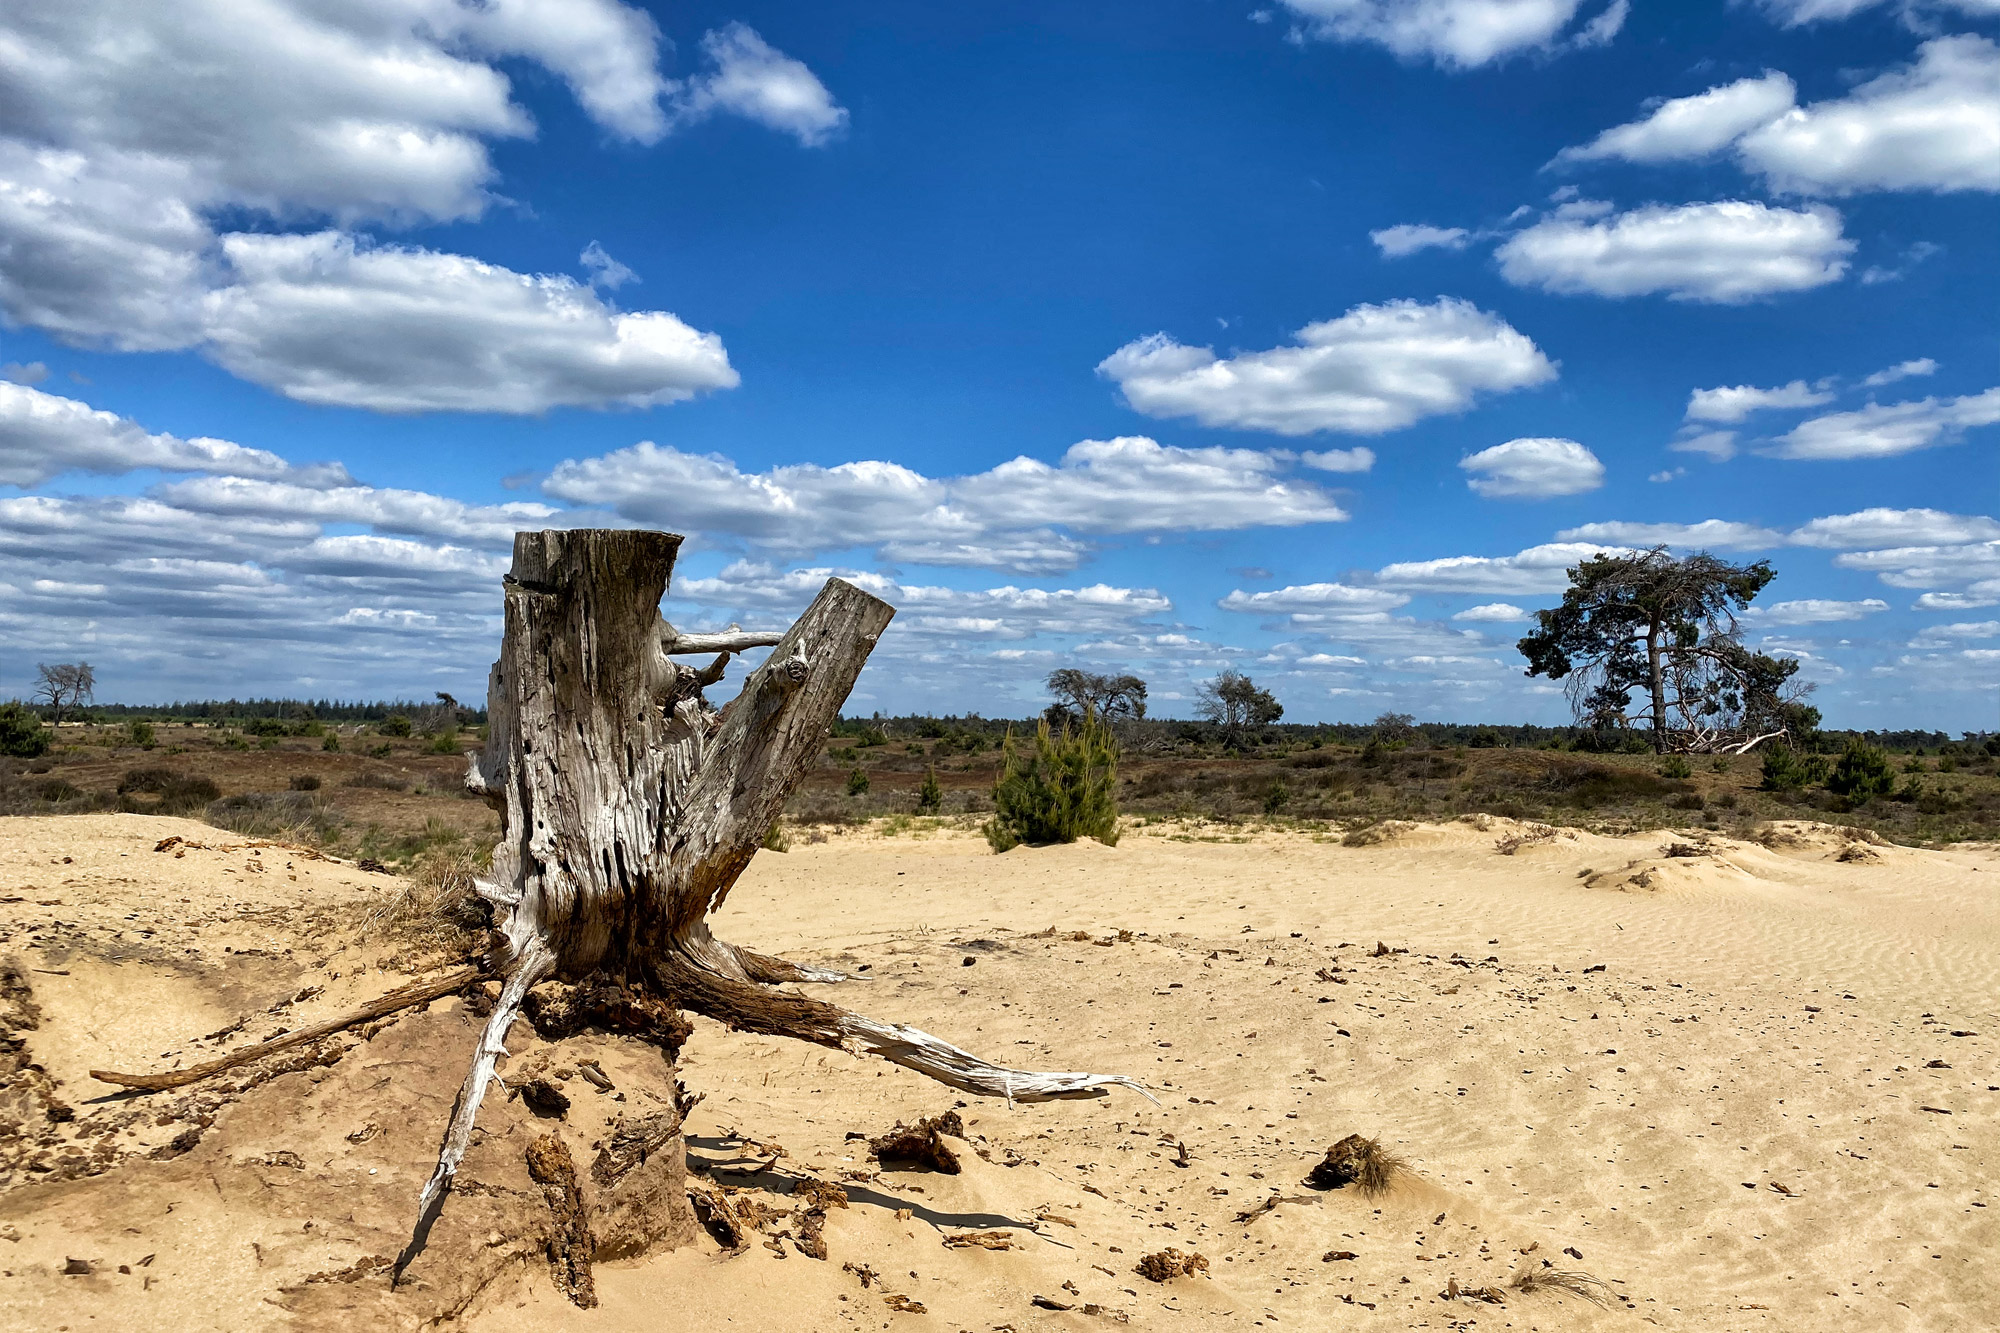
x=1357, y=1160
x=572, y=1248
x=1169, y=1264
x=1453, y=1292
x=405, y=997
x=629, y=808
x=979, y=1240
x=922, y=1143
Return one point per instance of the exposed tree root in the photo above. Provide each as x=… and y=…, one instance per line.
x=571, y=1246
x=395, y=1001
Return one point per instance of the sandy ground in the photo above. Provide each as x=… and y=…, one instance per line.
x=1752, y=1088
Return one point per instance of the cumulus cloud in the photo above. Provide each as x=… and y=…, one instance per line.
x=1726, y=252
x=1358, y=459
x=752, y=80
x=1535, y=468
x=1455, y=34
x=1716, y=444
x=1973, y=565
x=1376, y=368
x=1126, y=485
x=1713, y=534
x=1492, y=613
x=1319, y=600
x=1692, y=127
x=1408, y=238
x=1895, y=527
x=42, y=436
x=1733, y=403
x=1933, y=125
x=1902, y=370
x=323, y=320
x=1814, y=611
x=1886, y=430
x=113, y=179
x=1539, y=569
x=418, y=513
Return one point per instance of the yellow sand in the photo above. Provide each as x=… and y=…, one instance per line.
x=1706, y=1076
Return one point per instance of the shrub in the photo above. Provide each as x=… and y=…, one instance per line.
x=331, y=744
x=1276, y=797
x=1065, y=789
x=292, y=816
x=1675, y=767
x=1788, y=770
x=139, y=732
x=187, y=796
x=22, y=734
x=1862, y=773
x=147, y=779
x=266, y=726
x=857, y=783
x=446, y=742
x=394, y=725
x=930, y=796
x=306, y=782
x=775, y=837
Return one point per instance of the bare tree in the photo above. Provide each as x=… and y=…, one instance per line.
x=1086, y=694
x=65, y=685
x=1233, y=702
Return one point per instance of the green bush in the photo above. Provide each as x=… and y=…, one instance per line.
x=857, y=783
x=930, y=796
x=446, y=742
x=1675, y=767
x=1862, y=774
x=331, y=744
x=22, y=734
x=139, y=732
x=394, y=725
x=267, y=726
x=1065, y=789
x=1276, y=797
x=1788, y=770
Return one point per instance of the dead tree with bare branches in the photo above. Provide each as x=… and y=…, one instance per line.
x=630, y=806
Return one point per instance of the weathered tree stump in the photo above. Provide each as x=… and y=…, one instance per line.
x=629, y=808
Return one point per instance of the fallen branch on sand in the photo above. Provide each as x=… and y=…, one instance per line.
x=405, y=997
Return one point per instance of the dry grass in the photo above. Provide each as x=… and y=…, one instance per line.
x=1361, y=1162
x=438, y=914
x=1573, y=1282
x=1527, y=837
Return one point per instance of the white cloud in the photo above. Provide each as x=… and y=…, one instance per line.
x=1358, y=459
x=1932, y=126
x=1959, y=601
x=1713, y=534
x=1814, y=611
x=1692, y=127
x=1492, y=613
x=1895, y=527
x=1454, y=34
x=1719, y=445
x=1972, y=565
x=1734, y=403
x=754, y=81
x=1407, y=238
x=113, y=179
x=1376, y=368
x=1726, y=252
x=605, y=271
x=418, y=513
x=1316, y=599
x=1131, y=484
x=34, y=372
x=936, y=612
x=1946, y=636
x=1538, y=569
x=1884, y=431
x=1902, y=370
x=322, y=320
x=1535, y=468
x=42, y=436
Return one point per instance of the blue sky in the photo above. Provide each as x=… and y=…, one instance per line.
x=1313, y=339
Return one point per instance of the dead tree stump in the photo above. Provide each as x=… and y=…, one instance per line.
x=629, y=807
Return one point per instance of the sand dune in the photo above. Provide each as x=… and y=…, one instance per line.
x=1725, y=1078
